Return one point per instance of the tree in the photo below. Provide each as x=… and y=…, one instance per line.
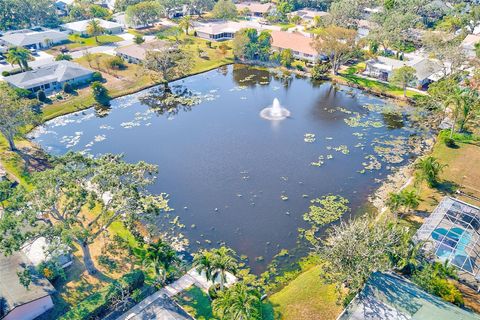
x=429, y=170
x=185, y=23
x=138, y=39
x=450, y=54
x=20, y=56
x=143, y=13
x=160, y=258
x=403, y=77
x=60, y=206
x=455, y=102
x=100, y=93
x=203, y=262
x=97, y=11
x=470, y=108
x=286, y=58
x=200, y=6
x=223, y=262
x=353, y=250
x=21, y=14
x=225, y=10
x=63, y=56
x=95, y=29
x=338, y=44
x=16, y=113
x=345, y=13
x=402, y=201
x=167, y=64
x=238, y=303
x=122, y=5
x=249, y=45
x=41, y=96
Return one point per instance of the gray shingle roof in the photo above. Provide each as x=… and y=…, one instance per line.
x=81, y=26
x=59, y=71
x=29, y=37
x=12, y=292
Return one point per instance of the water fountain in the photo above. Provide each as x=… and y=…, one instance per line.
x=275, y=111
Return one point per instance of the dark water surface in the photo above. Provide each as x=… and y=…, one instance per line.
x=226, y=168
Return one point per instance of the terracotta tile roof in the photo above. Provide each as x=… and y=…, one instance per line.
x=294, y=41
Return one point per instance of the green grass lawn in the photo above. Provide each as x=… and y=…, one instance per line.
x=196, y=303
x=77, y=41
x=306, y=298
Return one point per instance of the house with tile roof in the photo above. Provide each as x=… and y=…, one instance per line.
x=135, y=53
x=256, y=9
x=300, y=44
x=51, y=77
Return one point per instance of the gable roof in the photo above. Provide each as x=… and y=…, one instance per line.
x=59, y=71
x=293, y=41
x=391, y=297
x=81, y=26
x=29, y=37
x=12, y=291
x=424, y=67
x=470, y=41
x=139, y=51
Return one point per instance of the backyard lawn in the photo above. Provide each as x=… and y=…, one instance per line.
x=77, y=41
x=306, y=298
x=196, y=303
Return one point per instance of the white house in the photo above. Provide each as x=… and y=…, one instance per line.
x=19, y=302
x=33, y=39
x=51, y=77
x=135, y=53
x=80, y=27
x=256, y=9
x=308, y=15
x=41, y=250
x=300, y=45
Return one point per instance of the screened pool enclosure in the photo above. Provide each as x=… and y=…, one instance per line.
x=452, y=233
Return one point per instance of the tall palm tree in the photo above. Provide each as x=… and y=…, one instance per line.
x=410, y=200
x=203, y=261
x=409, y=261
x=185, y=23
x=223, y=262
x=238, y=303
x=455, y=103
x=20, y=56
x=469, y=108
x=430, y=168
x=95, y=29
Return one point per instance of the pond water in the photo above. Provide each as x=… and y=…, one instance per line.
x=238, y=178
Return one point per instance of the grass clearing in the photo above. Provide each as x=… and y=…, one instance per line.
x=196, y=302
x=306, y=298
x=78, y=41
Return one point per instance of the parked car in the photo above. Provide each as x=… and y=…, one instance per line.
x=33, y=51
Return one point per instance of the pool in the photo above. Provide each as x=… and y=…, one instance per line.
x=452, y=245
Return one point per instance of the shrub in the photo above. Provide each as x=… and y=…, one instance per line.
x=97, y=76
x=51, y=270
x=100, y=93
x=5, y=73
x=449, y=142
x=24, y=93
x=209, y=44
x=63, y=56
x=319, y=71
x=138, y=39
x=41, y=96
x=116, y=63
x=67, y=88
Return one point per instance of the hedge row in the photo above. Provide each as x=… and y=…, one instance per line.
x=98, y=303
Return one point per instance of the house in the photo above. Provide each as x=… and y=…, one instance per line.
x=51, y=77
x=452, y=233
x=308, y=15
x=33, y=39
x=300, y=44
x=80, y=27
x=426, y=70
x=63, y=6
x=16, y=301
x=388, y=296
x=468, y=44
x=256, y=9
x=218, y=31
x=135, y=53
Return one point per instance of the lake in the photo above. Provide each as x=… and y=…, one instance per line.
x=235, y=177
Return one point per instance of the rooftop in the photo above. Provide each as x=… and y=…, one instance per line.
x=29, y=37
x=254, y=6
x=81, y=26
x=12, y=291
x=138, y=51
x=424, y=67
x=294, y=41
x=309, y=13
x=452, y=233
x=391, y=297
x=59, y=71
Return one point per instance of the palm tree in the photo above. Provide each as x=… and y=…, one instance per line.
x=394, y=202
x=455, y=103
x=223, y=262
x=410, y=200
x=203, y=261
x=238, y=303
x=20, y=56
x=409, y=261
x=185, y=23
x=430, y=168
x=160, y=258
x=469, y=108
x=94, y=29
